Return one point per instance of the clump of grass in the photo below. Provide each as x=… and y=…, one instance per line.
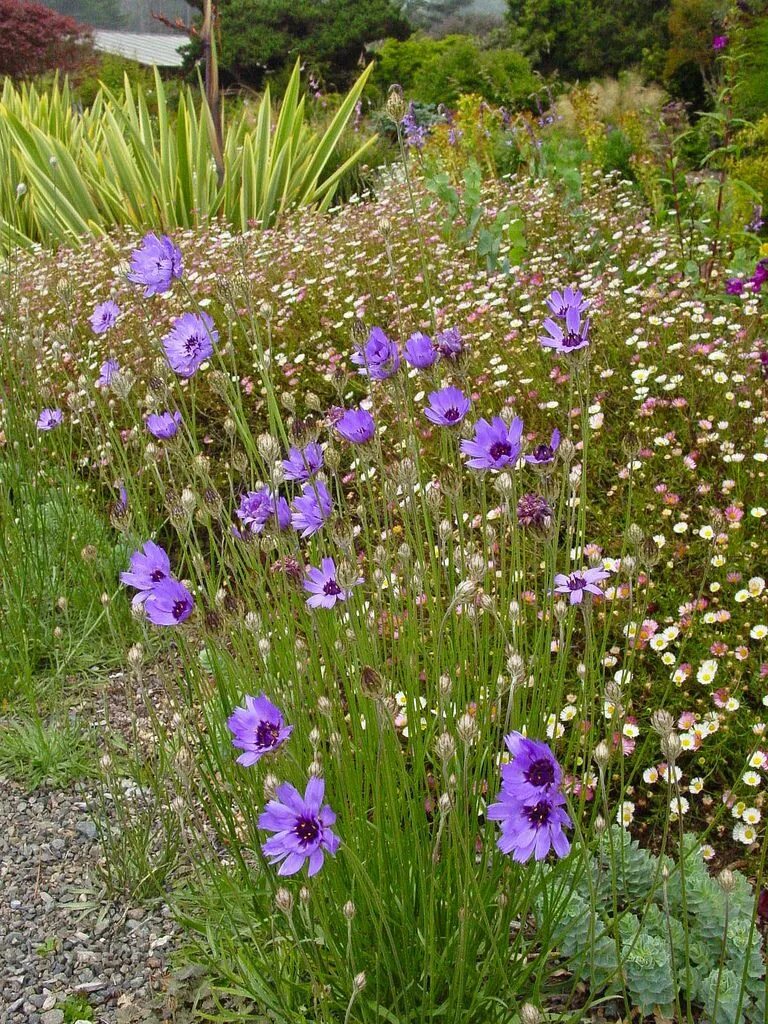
x=55, y=752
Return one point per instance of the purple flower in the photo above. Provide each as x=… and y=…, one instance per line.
x=719, y=43
x=356, y=425
x=415, y=133
x=576, y=584
x=324, y=587
x=104, y=316
x=168, y=603
x=258, y=729
x=378, y=358
x=533, y=771
x=495, y=445
x=190, y=342
x=734, y=286
x=155, y=264
x=107, y=372
x=303, y=463
x=543, y=454
x=302, y=827
x=532, y=827
x=449, y=343
x=257, y=508
x=760, y=275
x=163, y=425
x=757, y=222
x=533, y=510
x=569, y=298
x=419, y=351
x=49, y=419
x=447, y=407
x=147, y=568
x=312, y=509
x=574, y=337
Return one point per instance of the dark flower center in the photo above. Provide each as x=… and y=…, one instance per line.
x=331, y=588
x=499, y=449
x=179, y=608
x=266, y=734
x=157, y=575
x=540, y=773
x=543, y=453
x=193, y=344
x=576, y=581
x=572, y=339
x=307, y=830
x=538, y=814
x=451, y=414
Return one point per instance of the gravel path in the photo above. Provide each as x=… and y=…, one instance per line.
x=60, y=936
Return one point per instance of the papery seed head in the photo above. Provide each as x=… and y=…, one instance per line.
x=530, y=1015
x=727, y=881
x=284, y=901
x=671, y=747
x=349, y=910
x=445, y=747
x=271, y=782
x=602, y=754
x=358, y=983
x=662, y=722
x=467, y=729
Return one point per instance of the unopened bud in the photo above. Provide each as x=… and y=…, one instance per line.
x=358, y=983
x=530, y=1015
x=727, y=881
x=662, y=722
x=602, y=754
x=284, y=901
x=467, y=729
x=671, y=747
x=349, y=910
x=445, y=746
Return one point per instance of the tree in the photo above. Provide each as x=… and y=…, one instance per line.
x=259, y=37
x=35, y=39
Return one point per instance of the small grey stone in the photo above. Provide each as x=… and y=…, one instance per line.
x=87, y=829
x=52, y=1017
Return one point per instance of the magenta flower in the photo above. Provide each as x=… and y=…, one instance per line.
x=164, y=425
x=155, y=264
x=569, y=298
x=420, y=351
x=447, y=407
x=495, y=445
x=533, y=770
x=104, y=316
x=734, y=286
x=49, y=419
x=107, y=372
x=532, y=827
x=302, y=827
x=574, y=337
x=378, y=358
x=312, y=509
x=719, y=43
x=257, y=508
x=543, y=454
x=303, y=463
x=583, y=581
x=356, y=426
x=323, y=586
x=257, y=729
x=190, y=342
x=168, y=603
x=148, y=567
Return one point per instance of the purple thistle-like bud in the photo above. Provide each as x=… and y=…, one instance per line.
x=533, y=510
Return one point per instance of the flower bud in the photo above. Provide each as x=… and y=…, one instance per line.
x=284, y=901
x=349, y=910
x=358, y=984
x=602, y=754
x=671, y=747
x=662, y=722
x=445, y=747
x=727, y=881
x=467, y=729
x=530, y=1015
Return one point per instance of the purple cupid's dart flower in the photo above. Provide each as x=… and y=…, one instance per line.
x=190, y=342
x=302, y=827
x=148, y=567
x=760, y=275
x=312, y=509
x=533, y=827
x=447, y=407
x=104, y=316
x=303, y=463
x=257, y=508
x=378, y=358
x=583, y=581
x=155, y=264
x=574, y=337
x=533, y=770
x=569, y=298
x=164, y=425
x=107, y=372
x=324, y=588
x=449, y=343
x=356, y=426
x=495, y=445
x=534, y=510
x=168, y=603
x=49, y=419
x=420, y=351
x=543, y=454
x=734, y=286
x=257, y=729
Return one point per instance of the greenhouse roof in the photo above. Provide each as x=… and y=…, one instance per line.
x=145, y=47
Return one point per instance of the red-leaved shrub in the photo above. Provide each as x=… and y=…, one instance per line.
x=35, y=39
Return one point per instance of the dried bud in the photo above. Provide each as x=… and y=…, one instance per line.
x=349, y=910
x=567, y=450
x=445, y=747
x=727, y=881
x=284, y=901
x=635, y=535
x=371, y=683
x=599, y=825
x=671, y=747
x=358, y=983
x=662, y=722
x=467, y=729
x=188, y=500
x=136, y=656
x=602, y=754
x=530, y=1015
x=395, y=105
x=631, y=444
x=268, y=448
x=271, y=782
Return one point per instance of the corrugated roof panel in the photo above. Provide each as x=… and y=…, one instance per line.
x=144, y=47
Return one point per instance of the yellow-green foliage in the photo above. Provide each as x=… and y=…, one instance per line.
x=751, y=166
x=117, y=164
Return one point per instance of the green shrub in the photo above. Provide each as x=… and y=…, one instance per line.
x=441, y=70
x=751, y=95
x=112, y=71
